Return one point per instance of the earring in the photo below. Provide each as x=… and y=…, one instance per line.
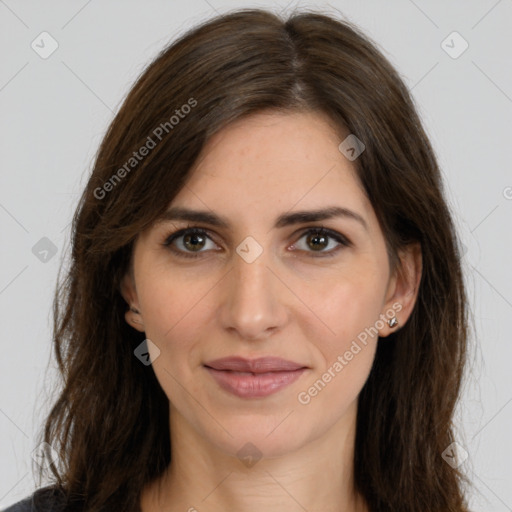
x=393, y=322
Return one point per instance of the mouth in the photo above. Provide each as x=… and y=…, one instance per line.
x=256, y=378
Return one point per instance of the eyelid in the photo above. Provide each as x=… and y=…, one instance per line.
x=341, y=239
x=331, y=233
x=168, y=241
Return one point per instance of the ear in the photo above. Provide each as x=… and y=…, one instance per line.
x=128, y=291
x=403, y=288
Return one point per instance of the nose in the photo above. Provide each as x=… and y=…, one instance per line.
x=253, y=304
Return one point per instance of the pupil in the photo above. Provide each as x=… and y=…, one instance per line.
x=193, y=240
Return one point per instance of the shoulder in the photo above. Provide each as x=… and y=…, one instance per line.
x=22, y=506
x=46, y=499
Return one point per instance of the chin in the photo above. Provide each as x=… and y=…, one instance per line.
x=255, y=436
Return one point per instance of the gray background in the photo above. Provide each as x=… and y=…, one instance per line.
x=55, y=112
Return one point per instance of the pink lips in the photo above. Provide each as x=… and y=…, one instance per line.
x=254, y=378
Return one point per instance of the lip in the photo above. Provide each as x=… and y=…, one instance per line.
x=254, y=378
x=259, y=365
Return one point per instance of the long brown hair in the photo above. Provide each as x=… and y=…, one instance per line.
x=110, y=423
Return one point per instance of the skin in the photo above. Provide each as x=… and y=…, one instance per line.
x=289, y=302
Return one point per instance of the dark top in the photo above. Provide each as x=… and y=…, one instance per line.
x=46, y=499
x=21, y=506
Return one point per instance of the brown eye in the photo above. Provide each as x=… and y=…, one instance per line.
x=317, y=241
x=193, y=241
x=189, y=242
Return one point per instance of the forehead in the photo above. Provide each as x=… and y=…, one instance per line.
x=272, y=162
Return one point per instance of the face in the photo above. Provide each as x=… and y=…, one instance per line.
x=263, y=282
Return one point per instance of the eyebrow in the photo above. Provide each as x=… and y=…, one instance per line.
x=284, y=220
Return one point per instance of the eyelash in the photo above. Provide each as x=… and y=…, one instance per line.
x=338, y=237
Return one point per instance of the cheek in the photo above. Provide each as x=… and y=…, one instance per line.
x=331, y=392
x=347, y=354
x=345, y=339
x=179, y=312
x=177, y=316
x=344, y=356
x=172, y=304
x=343, y=305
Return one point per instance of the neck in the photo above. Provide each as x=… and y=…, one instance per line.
x=316, y=477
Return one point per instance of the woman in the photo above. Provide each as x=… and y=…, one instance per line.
x=265, y=308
